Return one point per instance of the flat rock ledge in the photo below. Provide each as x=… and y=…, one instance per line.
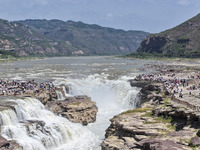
x=78, y=109
x=159, y=124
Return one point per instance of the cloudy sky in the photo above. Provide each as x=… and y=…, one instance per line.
x=147, y=15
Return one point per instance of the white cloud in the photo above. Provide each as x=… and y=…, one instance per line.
x=183, y=2
x=109, y=16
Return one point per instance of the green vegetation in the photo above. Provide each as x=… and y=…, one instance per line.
x=138, y=110
x=166, y=101
x=160, y=57
x=160, y=119
x=150, y=56
x=7, y=54
x=59, y=38
x=148, y=114
x=75, y=103
x=180, y=41
x=192, y=146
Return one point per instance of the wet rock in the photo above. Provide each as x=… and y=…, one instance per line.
x=82, y=110
x=4, y=105
x=9, y=145
x=198, y=133
x=79, y=109
x=44, y=97
x=195, y=141
x=138, y=83
x=4, y=143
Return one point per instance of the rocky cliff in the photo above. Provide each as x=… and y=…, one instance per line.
x=180, y=41
x=60, y=38
x=78, y=109
x=22, y=40
x=159, y=124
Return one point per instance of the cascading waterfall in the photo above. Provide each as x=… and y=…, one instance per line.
x=65, y=92
x=111, y=96
x=105, y=91
x=60, y=95
x=36, y=128
x=111, y=91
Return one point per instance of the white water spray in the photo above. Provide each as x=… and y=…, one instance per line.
x=60, y=96
x=111, y=96
x=36, y=128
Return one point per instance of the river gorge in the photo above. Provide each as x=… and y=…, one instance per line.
x=104, y=79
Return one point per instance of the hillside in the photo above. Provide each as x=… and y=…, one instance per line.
x=77, y=38
x=23, y=41
x=180, y=41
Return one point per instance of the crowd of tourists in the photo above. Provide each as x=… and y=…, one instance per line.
x=18, y=87
x=172, y=83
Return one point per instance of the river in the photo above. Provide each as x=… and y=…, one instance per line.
x=104, y=79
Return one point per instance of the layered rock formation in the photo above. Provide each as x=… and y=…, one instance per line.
x=180, y=41
x=159, y=124
x=79, y=109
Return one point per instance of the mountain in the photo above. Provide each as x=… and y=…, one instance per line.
x=23, y=41
x=180, y=41
x=56, y=37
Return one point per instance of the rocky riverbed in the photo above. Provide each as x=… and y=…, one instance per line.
x=165, y=120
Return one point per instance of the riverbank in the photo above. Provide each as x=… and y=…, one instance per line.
x=168, y=117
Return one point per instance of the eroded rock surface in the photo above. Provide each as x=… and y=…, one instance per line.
x=79, y=109
x=159, y=124
x=9, y=145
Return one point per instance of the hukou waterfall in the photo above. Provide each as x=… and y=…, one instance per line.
x=105, y=80
x=111, y=96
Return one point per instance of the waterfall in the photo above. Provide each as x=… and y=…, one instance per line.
x=65, y=92
x=35, y=128
x=111, y=96
x=38, y=129
x=60, y=95
x=106, y=92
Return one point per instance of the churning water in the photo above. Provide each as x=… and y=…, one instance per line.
x=104, y=79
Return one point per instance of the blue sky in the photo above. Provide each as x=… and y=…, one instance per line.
x=148, y=15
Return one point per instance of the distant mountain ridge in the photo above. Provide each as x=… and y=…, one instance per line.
x=180, y=41
x=60, y=38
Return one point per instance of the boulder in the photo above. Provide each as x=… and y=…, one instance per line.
x=78, y=109
x=195, y=141
x=113, y=143
x=198, y=133
x=138, y=83
x=9, y=145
